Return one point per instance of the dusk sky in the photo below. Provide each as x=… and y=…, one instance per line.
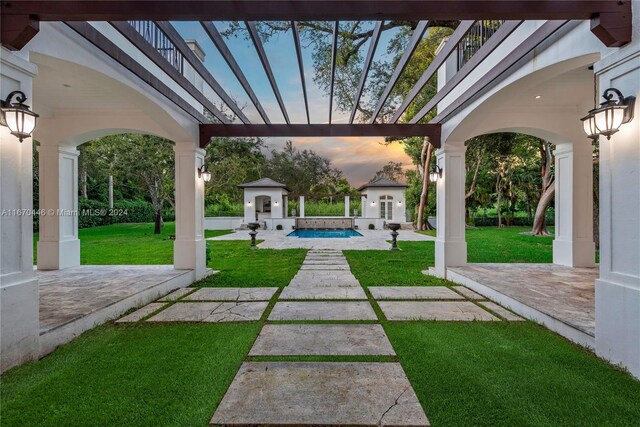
x=358, y=158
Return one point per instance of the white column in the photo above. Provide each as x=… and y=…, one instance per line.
x=285, y=207
x=573, y=245
x=346, y=206
x=618, y=289
x=301, y=214
x=189, y=248
x=19, y=305
x=450, y=245
x=58, y=243
x=363, y=206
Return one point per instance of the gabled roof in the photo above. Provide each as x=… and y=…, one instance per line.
x=263, y=183
x=383, y=183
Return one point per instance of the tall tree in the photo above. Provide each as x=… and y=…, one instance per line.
x=392, y=170
x=304, y=171
x=139, y=161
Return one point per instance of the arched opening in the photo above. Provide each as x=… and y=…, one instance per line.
x=263, y=207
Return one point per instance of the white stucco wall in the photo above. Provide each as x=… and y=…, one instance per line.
x=371, y=207
x=277, y=202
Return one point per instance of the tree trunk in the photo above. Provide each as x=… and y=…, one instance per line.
x=158, y=222
x=499, y=206
x=84, y=184
x=427, y=150
x=540, y=220
x=548, y=191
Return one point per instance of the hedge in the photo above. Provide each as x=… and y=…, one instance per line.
x=93, y=213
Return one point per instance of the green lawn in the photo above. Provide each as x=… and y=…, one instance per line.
x=139, y=375
x=510, y=374
x=240, y=265
x=486, y=244
x=126, y=244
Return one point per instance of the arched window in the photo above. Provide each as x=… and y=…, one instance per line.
x=386, y=207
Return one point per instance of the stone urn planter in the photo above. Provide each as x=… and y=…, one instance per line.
x=394, y=227
x=253, y=226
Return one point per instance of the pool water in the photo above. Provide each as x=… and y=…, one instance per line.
x=324, y=233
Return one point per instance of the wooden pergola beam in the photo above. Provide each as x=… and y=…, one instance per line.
x=296, y=42
x=494, y=41
x=264, y=60
x=432, y=69
x=173, y=35
x=402, y=64
x=208, y=131
x=228, y=57
x=334, y=56
x=612, y=18
x=373, y=44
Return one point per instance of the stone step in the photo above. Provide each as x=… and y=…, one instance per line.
x=323, y=293
x=322, y=340
x=320, y=394
x=323, y=310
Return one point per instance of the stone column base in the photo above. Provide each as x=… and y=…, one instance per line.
x=57, y=255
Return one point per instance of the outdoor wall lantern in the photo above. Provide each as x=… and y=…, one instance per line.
x=276, y=203
x=399, y=202
x=249, y=204
x=610, y=115
x=373, y=203
x=435, y=174
x=204, y=173
x=17, y=116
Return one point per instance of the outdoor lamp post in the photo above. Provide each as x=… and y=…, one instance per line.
x=610, y=115
x=17, y=116
x=435, y=174
x=204, y=173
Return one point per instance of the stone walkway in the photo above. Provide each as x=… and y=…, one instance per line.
x=323, y=312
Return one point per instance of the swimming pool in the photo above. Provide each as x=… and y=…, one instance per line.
x=324, y=233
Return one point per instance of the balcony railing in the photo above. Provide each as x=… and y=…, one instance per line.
x=156, y=38
x=475, y=38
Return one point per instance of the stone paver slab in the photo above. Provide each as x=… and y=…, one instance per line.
x=502, y=311
x=323, y=310
x=140, y=313
x=232, y=294
x=413, y=292
x=322, y=340
x=329, y=393
x=178, y=293
x=324, y=267
x=211, y=312
x=468, y=293
x=434, y=310
x=320, y=293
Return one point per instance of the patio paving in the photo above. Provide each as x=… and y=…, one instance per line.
x=211, y=312
x=370, y=240
x=561, y=293
x=323, y=310
x=232, y=294
x=72, y=293
x=322, y=340
x=434, y=310
x=413, y=292
x=327, y=393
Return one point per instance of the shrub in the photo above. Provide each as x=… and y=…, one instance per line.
x=372, y=227
x=236, y=209
x=279, y=227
